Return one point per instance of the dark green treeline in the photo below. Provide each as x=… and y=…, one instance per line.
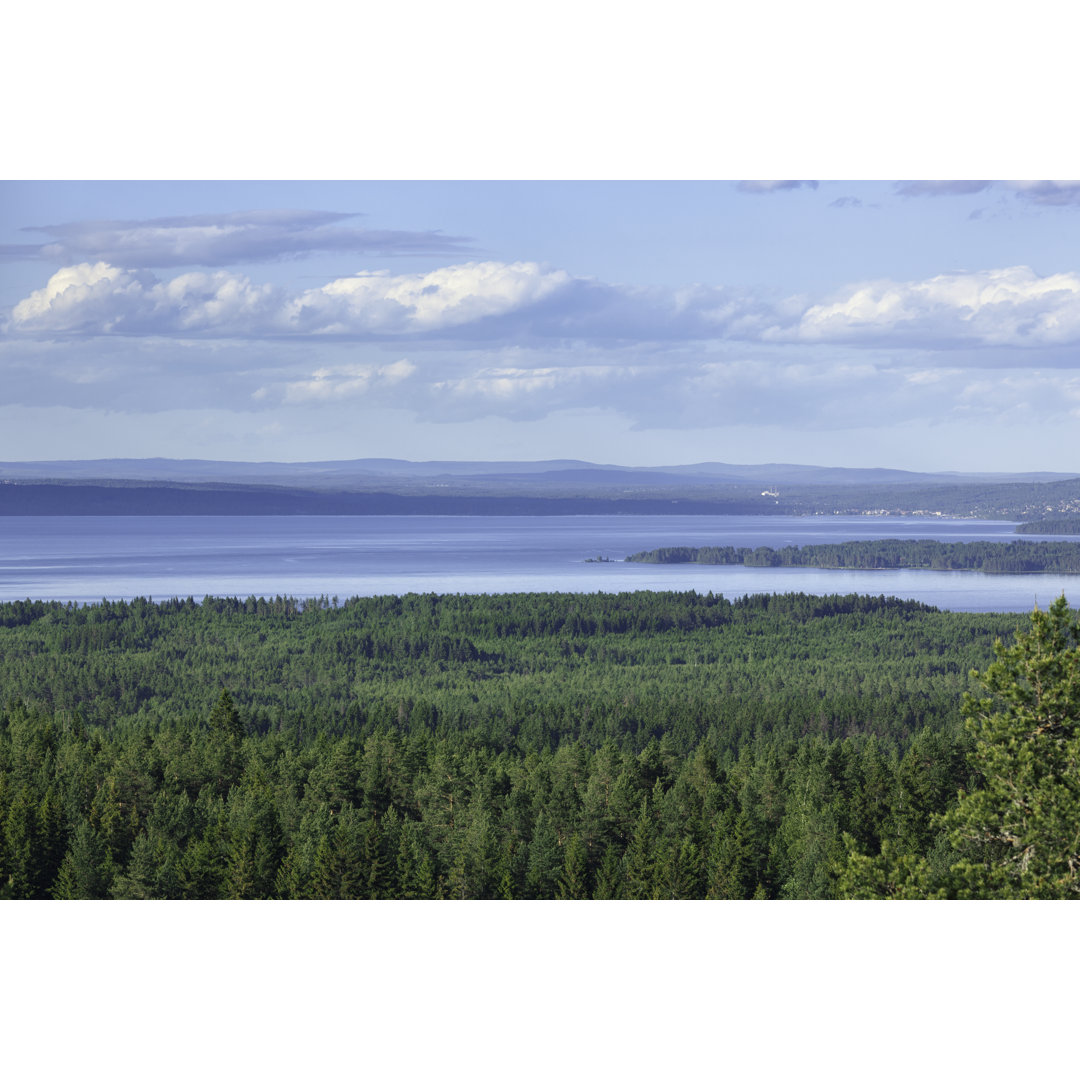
x=990, y=557
x=522, y=746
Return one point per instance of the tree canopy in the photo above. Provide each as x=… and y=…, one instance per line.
x=1016, y=833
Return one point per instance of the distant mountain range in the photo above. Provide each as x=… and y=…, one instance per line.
x=389, y=486
x=362, y=472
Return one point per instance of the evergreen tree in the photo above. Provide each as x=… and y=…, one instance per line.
x=83, y=873
x=510, y=870
x=638, y=866
x=224, y=718
x=293, y=880
x=609, y=878
x=1018, y=834
x=573, y=881
x=545, y=861
x=20, y=835
x=226, y=736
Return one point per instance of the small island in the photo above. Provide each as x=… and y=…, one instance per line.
x=988, y=557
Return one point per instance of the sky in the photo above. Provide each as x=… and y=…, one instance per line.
x=919, y=324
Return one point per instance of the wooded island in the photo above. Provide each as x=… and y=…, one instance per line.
x=988, y=557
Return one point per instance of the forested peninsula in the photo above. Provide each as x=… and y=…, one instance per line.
x=1066, y=525
x=645, y=745
x=988, y=557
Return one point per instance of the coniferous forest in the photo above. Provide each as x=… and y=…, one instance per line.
x=988, y=557
x=540, y=746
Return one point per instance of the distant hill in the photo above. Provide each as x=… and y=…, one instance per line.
x=388, y=486
x=347, y=475
x=25, y=499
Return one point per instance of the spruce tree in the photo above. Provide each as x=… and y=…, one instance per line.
x=545, y=861
x=1018, y=834
x=574, y=879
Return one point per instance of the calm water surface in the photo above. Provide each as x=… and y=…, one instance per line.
x=88, y=558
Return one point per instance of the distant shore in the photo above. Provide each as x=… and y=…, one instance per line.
x=987, y=557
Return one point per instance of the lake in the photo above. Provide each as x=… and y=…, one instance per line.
x=89, y=558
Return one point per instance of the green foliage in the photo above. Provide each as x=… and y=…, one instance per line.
x=1014, y=832
x=1064, y=525
x=536, y=746
x=990, y=557
x=1018, y=833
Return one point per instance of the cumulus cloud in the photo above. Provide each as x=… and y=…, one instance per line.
x=102, y=299
x=483, y=303
x=482, y=300
x=766, y=187
x=452, y=296
x=224, y=239
x=1008, y=307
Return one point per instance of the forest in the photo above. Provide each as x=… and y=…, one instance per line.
x=1065, y=525
x=532, y=746
x=988, y=557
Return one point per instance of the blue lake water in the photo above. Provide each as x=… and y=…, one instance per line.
x=89, y=558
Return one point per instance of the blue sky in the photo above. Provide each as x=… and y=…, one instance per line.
x=915, y=325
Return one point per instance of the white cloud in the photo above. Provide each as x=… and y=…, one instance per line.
x=523, y=302
x=72, y=294
x=103, y=299
x=1013, y=307
x=448, y=297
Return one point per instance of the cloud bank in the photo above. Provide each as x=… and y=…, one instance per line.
x=525, y=303
x=224, y=239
